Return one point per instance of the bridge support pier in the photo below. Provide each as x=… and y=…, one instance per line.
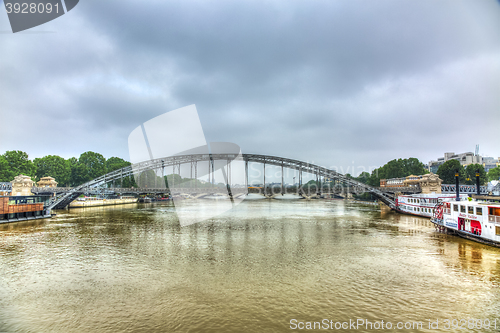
x=264, y=186
x=246, y=174
x=282, y=180
x=300, y=177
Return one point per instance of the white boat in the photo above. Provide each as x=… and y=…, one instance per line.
x=423, y=204
x=471, y=219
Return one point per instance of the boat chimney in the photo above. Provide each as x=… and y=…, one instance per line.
x=478, y=189
x=457, y=186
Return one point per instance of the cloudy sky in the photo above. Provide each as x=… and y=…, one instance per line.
x=334, y=82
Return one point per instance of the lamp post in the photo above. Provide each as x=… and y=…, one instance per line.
x=477, y=182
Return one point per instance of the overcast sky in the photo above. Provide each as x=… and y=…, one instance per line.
x=338, y=83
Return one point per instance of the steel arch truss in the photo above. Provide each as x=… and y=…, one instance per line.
x=177, y=160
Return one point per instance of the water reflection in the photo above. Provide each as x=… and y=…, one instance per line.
x=133, y=268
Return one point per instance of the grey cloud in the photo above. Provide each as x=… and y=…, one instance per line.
x=333, y=81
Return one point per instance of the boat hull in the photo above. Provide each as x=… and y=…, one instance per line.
x=465, y=234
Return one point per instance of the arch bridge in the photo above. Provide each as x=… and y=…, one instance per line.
x=63, y=199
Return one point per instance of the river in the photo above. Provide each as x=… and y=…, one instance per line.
x=265, y=266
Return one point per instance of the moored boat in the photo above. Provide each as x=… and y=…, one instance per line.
x=471, y=219
x=22, y=208
x=97, y=201
x=423, y=204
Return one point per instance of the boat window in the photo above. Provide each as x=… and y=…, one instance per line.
x=479, y=211
x=455, y=208
x=462, y=209
x=494, y=211
x=471, y=210
x=497, y=231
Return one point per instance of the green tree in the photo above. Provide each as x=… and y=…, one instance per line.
x=173, y=180
x=79, y=172
x=412, y=166
x=115, y=163
x=363, y=177
x=95, y=164
x=6, y=175
x=470, y=173
x=53, y=166
x=18, y=163
x=446, y=172
x=375, y=177
x=149, y=179
x=494, y=174
x=396, y=168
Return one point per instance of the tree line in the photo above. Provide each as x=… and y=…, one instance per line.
x=67, y=172
x=396, y=168
x=76, y=171
x=399, y=168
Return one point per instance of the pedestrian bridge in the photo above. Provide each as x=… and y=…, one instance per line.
x=61, y=200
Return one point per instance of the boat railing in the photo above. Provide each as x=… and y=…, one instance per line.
x=437, y=221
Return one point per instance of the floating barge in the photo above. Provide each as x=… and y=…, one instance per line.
x=93, y=202
x=22, y=208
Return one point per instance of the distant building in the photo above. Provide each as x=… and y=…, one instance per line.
x=428, y=183
x=5, y=188
x=47, y=182
x=464, y=159
x=494, y=187
x=21, y=185
x=412, y=180
x=490, y=163
x=393, y=182
x=409, y=181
